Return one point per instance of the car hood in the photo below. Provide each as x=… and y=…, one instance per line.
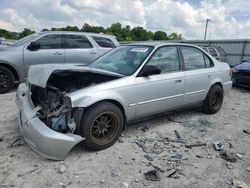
x=39, y=74
x=243, y=66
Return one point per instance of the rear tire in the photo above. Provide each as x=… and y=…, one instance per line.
x=6, y=80
x=101, y=125
x=214, y=100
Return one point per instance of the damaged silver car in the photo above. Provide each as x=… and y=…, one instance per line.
x=62, y=105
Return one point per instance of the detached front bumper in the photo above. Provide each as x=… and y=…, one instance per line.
x=45, y=141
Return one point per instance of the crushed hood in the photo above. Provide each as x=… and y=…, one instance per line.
x=39, y=74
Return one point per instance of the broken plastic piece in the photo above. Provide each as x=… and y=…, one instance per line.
x=177, y=135
x=246, y=131
x=195, y=145
x=178, y=157
x=148, y=157
x=218, y=146
x=152, y=175
x=227, y=157
x=239, y=184
x=157, y=168
x=72, y=125
x=171, y=173
x=17, y=142
x=177, y=140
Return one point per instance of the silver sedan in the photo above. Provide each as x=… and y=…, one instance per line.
x=62, y=105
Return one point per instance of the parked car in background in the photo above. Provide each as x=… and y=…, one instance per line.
x=4, y=42
x=50, y=48
x=62, y=105
x=241, y=74
x=217, y=52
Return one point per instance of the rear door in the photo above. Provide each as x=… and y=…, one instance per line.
x=50, y=51
x=198, y=74
x=157, y=93
x=78, y=49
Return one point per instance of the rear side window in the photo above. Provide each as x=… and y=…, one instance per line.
x=221, y=51
x=76, y=41
x=50, y=41
x=104, y=42
x=193, y=58
x=212, y=52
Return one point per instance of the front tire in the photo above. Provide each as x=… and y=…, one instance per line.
x=214, y=100
x=6, y=80
x=101, y=125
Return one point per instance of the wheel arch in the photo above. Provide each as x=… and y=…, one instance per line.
x=116, y=103
x=216, y=81
x=12, y=69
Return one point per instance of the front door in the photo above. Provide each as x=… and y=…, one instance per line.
x=164, y=91
x=49, y=52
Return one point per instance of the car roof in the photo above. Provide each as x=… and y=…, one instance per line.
x=78, y=32
x=158, y=44
x=210, y=46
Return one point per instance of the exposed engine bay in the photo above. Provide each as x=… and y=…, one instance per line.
x=56, y=110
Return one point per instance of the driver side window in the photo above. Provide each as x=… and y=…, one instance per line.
x=166, y=59
x=53, y=41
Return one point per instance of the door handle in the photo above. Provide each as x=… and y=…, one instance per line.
x=92, y=52
x=58, y=53
x=178, y=80
x=209, y=75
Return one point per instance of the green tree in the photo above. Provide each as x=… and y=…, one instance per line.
x=94, y=29
x=150, y=35
x=7, y=34
x=71, y=28
x=122, y=33
x=25, y=33
x=175, y=36
x=116, y=29
x=160, y=35
x=138, y=33
x=126, y=33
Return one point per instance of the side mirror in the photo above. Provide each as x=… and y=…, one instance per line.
x=149, y=70
x=34, y=46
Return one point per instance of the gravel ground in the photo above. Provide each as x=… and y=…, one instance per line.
x=124, y=164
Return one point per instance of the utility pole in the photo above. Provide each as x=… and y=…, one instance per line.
x=206, y=28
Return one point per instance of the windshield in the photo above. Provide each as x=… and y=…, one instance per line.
x=123, y=60
x=24, y=39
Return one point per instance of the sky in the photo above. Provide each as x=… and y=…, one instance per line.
x=230, y=19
